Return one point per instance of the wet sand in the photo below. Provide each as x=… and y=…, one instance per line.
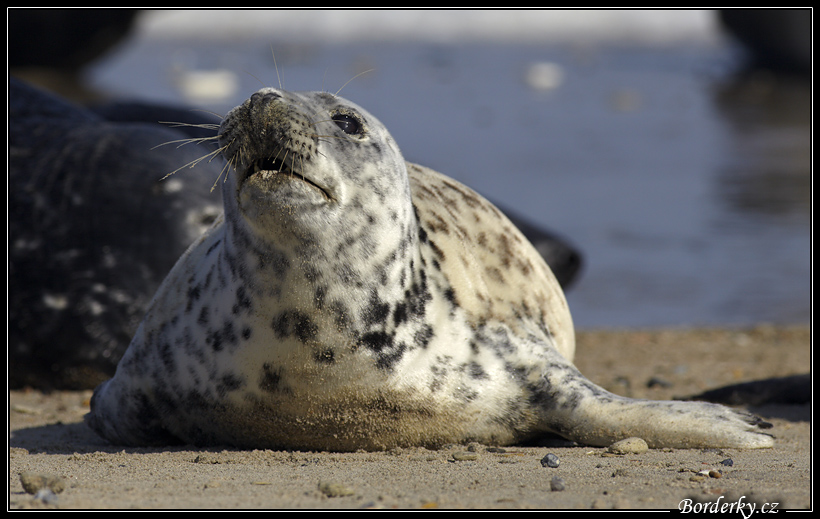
x=48, y=437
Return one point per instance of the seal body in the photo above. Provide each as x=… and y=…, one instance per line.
x=351, y=300
x=92, y=234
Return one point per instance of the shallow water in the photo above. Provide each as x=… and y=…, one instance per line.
x=688, y=192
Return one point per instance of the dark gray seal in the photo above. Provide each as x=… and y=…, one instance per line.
x=351, y=300
x=92, y=233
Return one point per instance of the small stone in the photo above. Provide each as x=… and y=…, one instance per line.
x=629, y=446
x=727, y=462
x=550, y=460
x=465, y=456
x=23, y=409
x=32, y=483
x=557, y=484
x=332, y=489
x=715, y=474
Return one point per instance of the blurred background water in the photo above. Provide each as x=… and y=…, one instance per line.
x=682, y=177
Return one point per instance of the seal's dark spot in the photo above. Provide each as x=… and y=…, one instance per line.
x=270, y=379
x=293, y=322
x=377, y=341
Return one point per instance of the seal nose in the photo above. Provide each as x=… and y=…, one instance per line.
x=267, y=110
x=268, y=131
x=264, y=96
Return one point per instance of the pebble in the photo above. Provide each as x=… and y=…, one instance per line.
x=465, y=456
x=331, y=489
x=629, y=446
x=33, y=483
x=550, y=460
x=716, y=474
x=23, y=409
x=557, y=484
x=727, y=462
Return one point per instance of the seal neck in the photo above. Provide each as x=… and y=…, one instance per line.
x=316, y=269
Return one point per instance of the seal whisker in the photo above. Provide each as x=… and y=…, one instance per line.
x=276, y=68
x=215, y=114
x=351, y=79
x=189, y=140
x=210, y=156
x=177, y=124
x=221, y=172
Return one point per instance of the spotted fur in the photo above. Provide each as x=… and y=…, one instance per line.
x=350, y=300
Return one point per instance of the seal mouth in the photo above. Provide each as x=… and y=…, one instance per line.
x=275, y=168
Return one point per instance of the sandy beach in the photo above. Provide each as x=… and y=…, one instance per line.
x=687, y=188
x=48, y=438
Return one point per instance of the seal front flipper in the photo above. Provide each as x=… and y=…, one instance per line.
x=127, y=418
x=575, y=408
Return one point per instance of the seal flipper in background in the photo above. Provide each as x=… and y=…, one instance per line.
x=564, y=259
x=794, y=389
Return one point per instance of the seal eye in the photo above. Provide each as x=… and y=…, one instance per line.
x=349, y=124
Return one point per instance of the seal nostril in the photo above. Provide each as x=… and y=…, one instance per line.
x=257, y=97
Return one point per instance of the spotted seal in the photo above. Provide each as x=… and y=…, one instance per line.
x=351, y=300
x=79, y=283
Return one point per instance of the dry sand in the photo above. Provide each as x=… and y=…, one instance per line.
x=47, y=436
